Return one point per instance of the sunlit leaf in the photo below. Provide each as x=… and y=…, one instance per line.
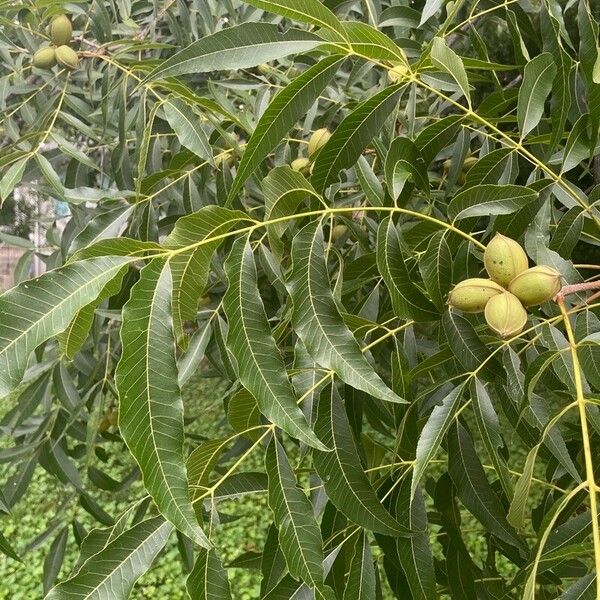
x=150, y=407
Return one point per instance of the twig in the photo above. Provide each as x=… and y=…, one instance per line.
x=575, y=288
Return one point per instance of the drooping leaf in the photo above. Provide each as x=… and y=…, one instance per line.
x=150, y=406
x=7, y=549
x=436, y=269
x=343, y=477
x=54, y=559
x=432, y=434
x=12, y=178
x=443, y=57
x=194, y=239
x=74, y=336
x=259, y=365
x=403, y=162
x=299, y=533
x=108, y=224
x=474, y=490
x=489, y=199
x=361, y=584
x=408, y=301
x=414, y=552
x=352, y=135
x=518, y=505
x=187, y=126
x=208, y=579
x=306, y=11
x=537, y=84
x=317, y=320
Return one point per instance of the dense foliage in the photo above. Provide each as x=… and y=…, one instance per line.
x=283, y=194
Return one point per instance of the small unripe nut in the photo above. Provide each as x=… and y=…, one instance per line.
x=44, y=58
x=469, y=162
x=472, y=295
x=536, y=285
x=504, y=259
x=67, y=57
x=317, y=140
x=337, y=232
x=302, y=165
x=505, y=315
x=398, y=73
x=61, y=30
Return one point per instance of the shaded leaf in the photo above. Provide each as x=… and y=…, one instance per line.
x=343, y=477
x=208, y=579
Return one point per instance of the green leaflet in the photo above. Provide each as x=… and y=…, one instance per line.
x=187, y=125
x=443, y=57
x=284, y=110
x=474, y=490
x=488, y=424
x=203, y=232
x=432, y=434
x=414, y=553
x=284, y=189
x=150, y=406
x=116, y=565
x=353, y=135
x=403, y=162
x=489, y=199
x=108, y=224
x=74, y=336
x=7, y=549
x=239, y=47
x=319, y=324
x=12, y=177
x=299, y=534
x=537, y=83
x=518, y=505
x=361, y=584
x=259, y=365
x=435, y=266
x=208, y=579
x=342, y=474
x=306, y=11
x=408, y=301
x=40, y=309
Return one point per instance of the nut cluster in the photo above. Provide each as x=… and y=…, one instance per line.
x=60, y=52
x=316, y=141
x=512, y=287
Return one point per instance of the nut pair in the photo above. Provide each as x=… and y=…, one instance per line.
x=317, y=140
x=60, y=33
x=512, y=287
